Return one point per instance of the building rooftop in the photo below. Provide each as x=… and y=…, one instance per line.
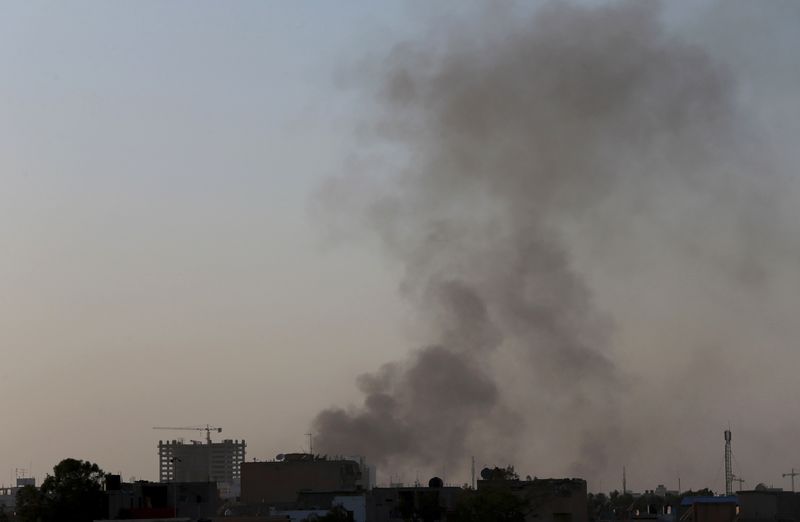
x=689, y=501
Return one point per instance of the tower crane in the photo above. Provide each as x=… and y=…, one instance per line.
x=208, y=429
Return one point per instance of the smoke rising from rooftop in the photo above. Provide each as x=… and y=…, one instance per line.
x=543, y=159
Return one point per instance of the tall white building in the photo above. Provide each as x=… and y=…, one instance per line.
x=219, y=462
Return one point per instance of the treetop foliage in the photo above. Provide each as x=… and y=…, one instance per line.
x=73, y=493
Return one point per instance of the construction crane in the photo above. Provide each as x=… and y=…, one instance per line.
x=208, y=429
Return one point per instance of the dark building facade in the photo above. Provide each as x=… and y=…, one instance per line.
x=708, y=509
x=548, y=500
x=139, y=500
x=764, y=504
x=197, y=462
x=278, y=483
x=397, y=504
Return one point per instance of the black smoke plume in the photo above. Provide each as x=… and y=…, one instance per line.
x=526, y=142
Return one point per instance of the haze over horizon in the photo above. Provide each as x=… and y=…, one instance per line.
x=171, y=256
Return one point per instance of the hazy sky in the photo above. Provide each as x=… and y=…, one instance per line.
x=158, y=264
x=162, y=263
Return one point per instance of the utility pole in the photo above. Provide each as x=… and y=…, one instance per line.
x=473, y=472
x=740, y=480
x=624, y=481
x=310, y=445
x=793, y=474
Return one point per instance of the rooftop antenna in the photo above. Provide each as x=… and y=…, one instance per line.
x=310, y=445
x=793, y=474
x=728, y=464
x=624, y=481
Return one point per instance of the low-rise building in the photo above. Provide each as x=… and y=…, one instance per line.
x=548, y=500
x=8, y=495
x=279, y=482
x=708, y=509
x=150, y=500
x=768, y=504
x=400, y=503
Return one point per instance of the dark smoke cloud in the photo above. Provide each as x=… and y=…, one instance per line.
x=519, y=136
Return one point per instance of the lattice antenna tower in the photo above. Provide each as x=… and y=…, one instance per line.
x=728, y=464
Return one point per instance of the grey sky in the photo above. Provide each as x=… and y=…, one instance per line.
x=160, y=265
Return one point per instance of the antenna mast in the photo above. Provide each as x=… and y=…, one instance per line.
x=793, y=474
x=310, y=445
x=728, y=464
x=624, y=481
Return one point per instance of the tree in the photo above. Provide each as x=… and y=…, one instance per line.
x=32, y=505
x=705, y=492
x=506, y=473
x=621, y=500
x=598, y=505
x=73, y=493
x=491, y=505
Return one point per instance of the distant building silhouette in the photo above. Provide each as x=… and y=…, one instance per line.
x=773, y=504
x=195, y=461
x=549, y=500
x=8, y=495
x=154, y=500
x=708, y=509
x=279, y=482
x=394, y=504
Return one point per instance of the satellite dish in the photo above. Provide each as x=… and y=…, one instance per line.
x=486, y=474
x=279, y=457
